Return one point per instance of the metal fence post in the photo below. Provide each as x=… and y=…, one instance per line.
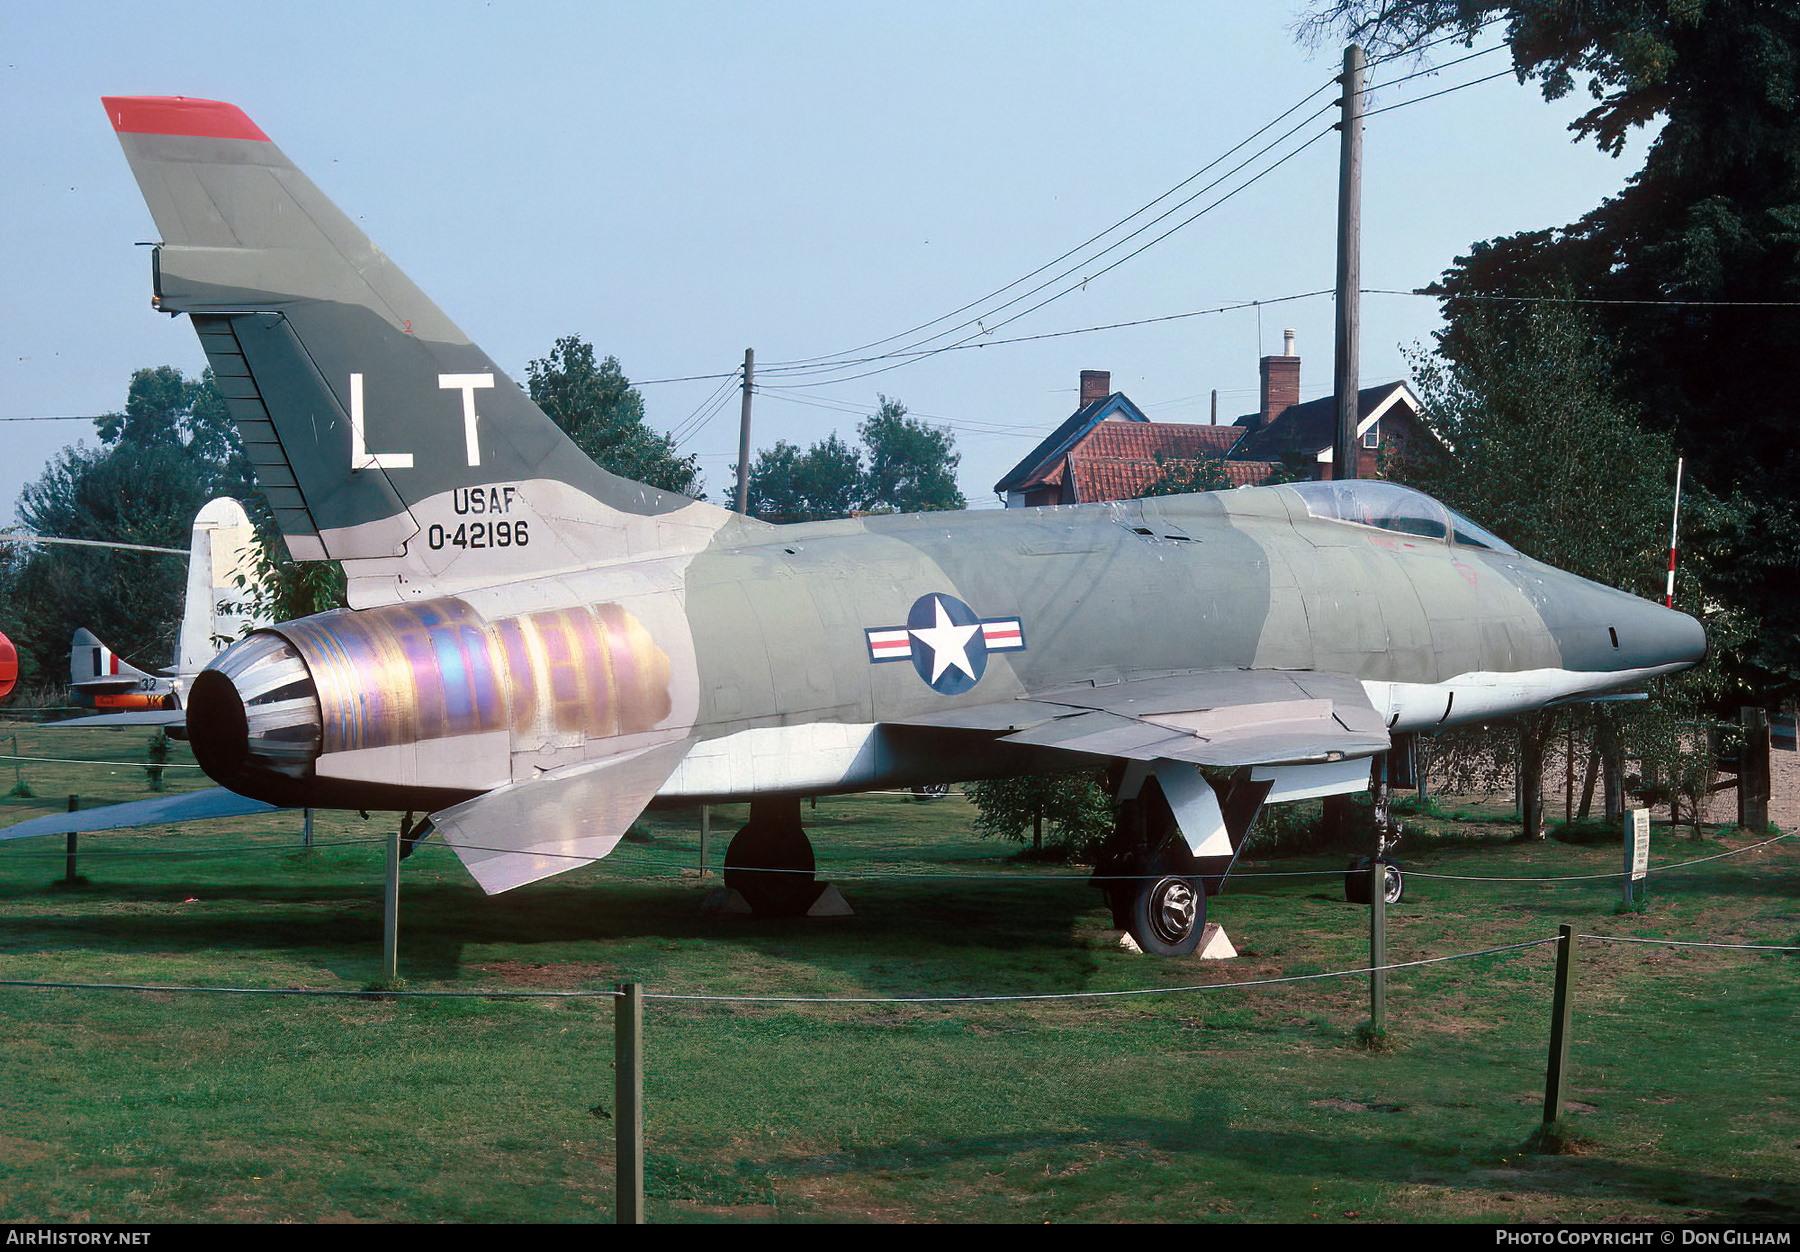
x=1556, y=1078
x=1377, y=943
x=628, y=1097
x=390, y=919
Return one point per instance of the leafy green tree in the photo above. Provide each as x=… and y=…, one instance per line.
x=166, y=409
x=128, y=493
x=903, y=466
x=1555, y=460
x=171, y=449
x=1182, y=477
x=596, y=406
x=1685, y=262
x=1075, y=811
x=280, y=588
x=911, y=465
x=788, y=485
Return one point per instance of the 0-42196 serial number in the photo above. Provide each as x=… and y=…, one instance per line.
x=479, y=535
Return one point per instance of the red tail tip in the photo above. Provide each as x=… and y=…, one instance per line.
x=179, y=115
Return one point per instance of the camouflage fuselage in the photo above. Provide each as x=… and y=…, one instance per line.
x=770, y=642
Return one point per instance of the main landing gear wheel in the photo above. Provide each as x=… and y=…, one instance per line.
x=1150, y=878
x=1168, y=914
x=770, y=861
x=1356, y=882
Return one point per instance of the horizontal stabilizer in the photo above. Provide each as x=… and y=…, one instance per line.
x=525, y=831
x=190, y=806
x=172, y=719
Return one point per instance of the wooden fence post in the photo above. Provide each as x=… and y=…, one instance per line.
x=1753, y=771
x=628, y=1099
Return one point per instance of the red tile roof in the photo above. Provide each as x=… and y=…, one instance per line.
x=1117, y=460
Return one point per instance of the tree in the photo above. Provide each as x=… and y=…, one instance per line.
x=1687, y=258
x=1076, y=809
x=279, y=588
x=597, y=407
x=903, y=466
x=172, y=448
x=911, y=466
x=1181, y=477
x=788, y=485
x=166, y=409
x=1551, y=456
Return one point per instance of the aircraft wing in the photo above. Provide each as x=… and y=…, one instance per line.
x=529, y=830
x=189, y=806
x=1217, y=717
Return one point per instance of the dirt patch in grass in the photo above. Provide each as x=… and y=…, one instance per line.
x=15, y=1151
x=549, y=975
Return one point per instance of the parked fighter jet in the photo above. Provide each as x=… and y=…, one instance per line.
x=538, y=650
x=216, y=611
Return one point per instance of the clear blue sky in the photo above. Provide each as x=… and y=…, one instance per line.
x=677, y=182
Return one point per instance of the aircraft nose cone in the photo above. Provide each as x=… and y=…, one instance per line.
x=1645, y=635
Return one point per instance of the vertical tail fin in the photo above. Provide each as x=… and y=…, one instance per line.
x=217, y=611
x=382, y=436
x=95, y=667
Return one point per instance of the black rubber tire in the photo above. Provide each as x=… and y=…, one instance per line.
x=771, y=865
x=1356, y=881
x=1168, y=914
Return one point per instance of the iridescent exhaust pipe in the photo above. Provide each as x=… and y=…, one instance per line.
x=420, y=705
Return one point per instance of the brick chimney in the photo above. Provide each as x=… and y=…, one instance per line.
x=1280, y=380
x=1097, y=385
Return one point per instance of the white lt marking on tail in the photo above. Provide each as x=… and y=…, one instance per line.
x=466, y=383
x=360, y=456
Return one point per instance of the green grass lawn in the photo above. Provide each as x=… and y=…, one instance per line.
x=1247, y=1104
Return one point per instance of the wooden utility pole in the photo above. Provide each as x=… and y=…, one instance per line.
x=743, y=486
x=1349, y=266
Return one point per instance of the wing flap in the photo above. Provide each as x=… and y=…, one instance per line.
x=529, y=830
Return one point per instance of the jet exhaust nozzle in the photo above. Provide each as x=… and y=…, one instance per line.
x=254, y=713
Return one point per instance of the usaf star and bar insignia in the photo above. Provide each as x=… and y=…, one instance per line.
x=946, y=642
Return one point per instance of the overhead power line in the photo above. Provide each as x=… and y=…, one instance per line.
x=1140, y=211
x=918, y=352
x=1474, y=82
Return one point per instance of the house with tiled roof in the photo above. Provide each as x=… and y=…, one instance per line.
x=1288, y=432
x=1108, y=450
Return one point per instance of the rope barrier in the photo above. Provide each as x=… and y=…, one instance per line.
x=59, y=760
x=1694, y=943
x=764, y=999
x=196, y=853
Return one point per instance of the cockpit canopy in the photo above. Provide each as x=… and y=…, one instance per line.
x=1389, y=506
